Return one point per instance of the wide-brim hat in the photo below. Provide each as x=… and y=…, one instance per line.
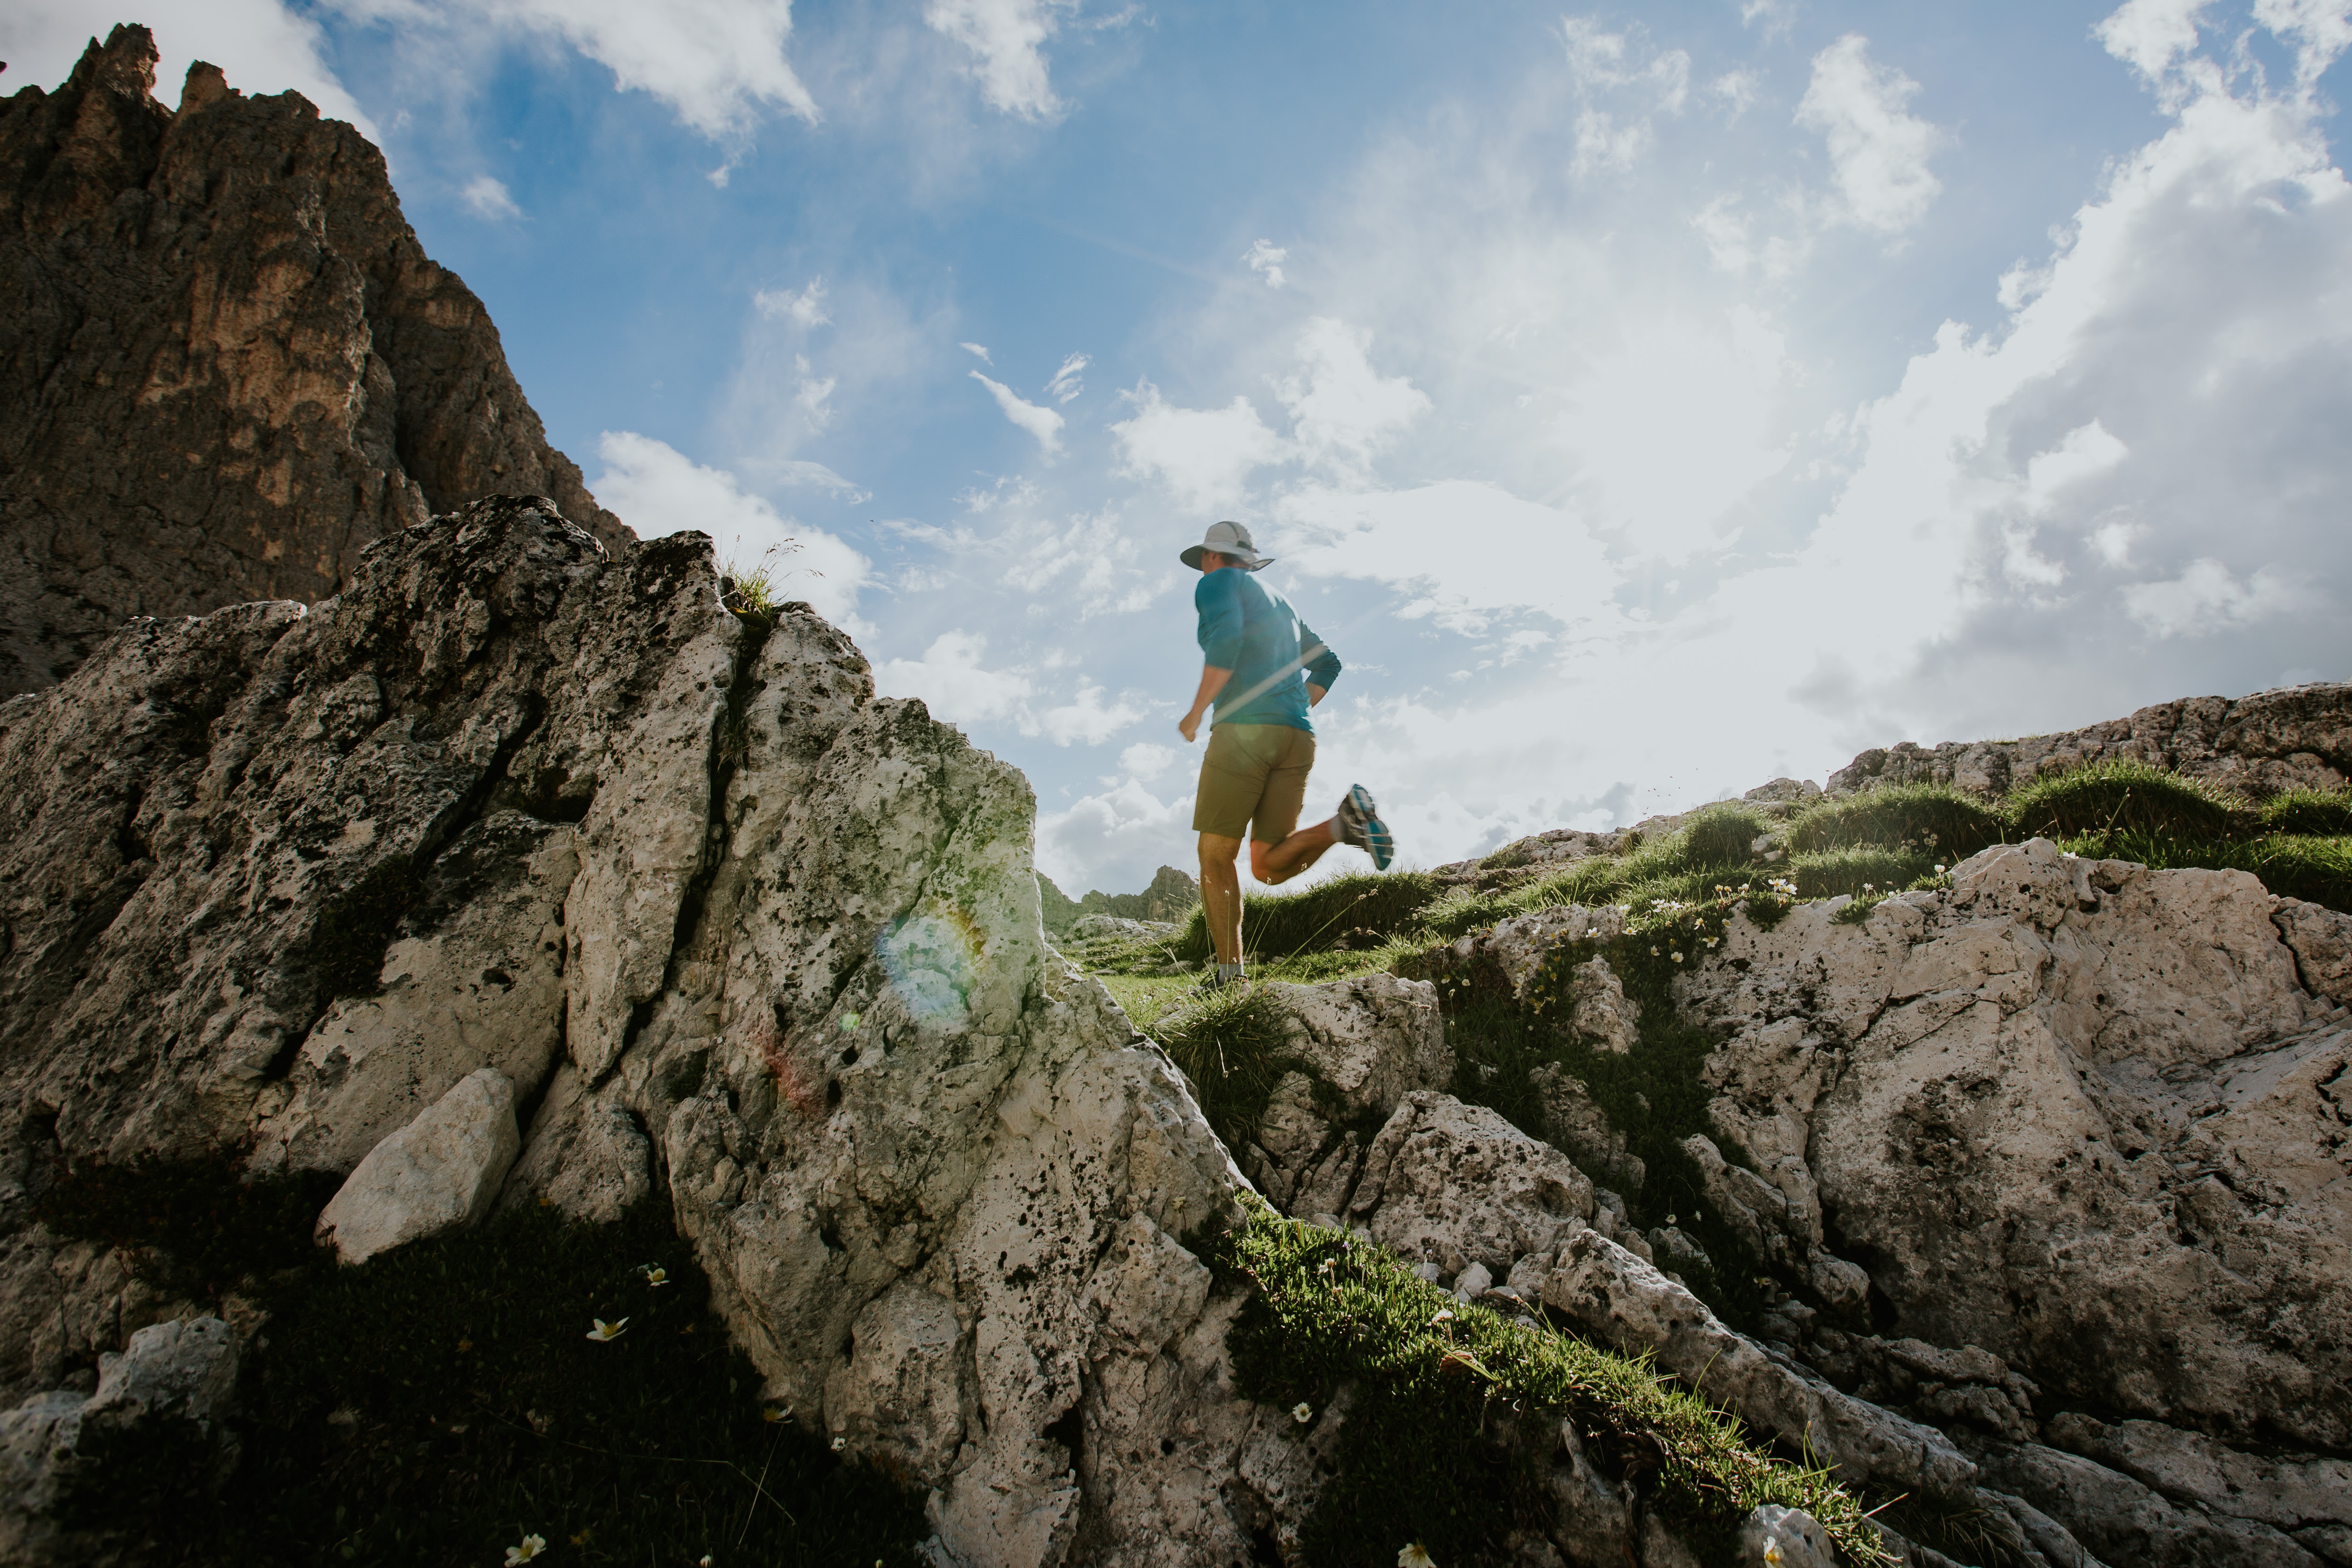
x=1233, y=541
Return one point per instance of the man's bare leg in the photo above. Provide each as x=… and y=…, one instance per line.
x=1275, y=864
x=1220, y=893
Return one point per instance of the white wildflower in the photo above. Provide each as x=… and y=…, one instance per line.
x=1415, y=1555
x=604, y=1330
x=532, y=1545
x=1302, y=1413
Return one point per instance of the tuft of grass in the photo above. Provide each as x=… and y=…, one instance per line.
x=1935, y=820
x=2326, y=813
x=1455, y=1416
x=1278, y=925
x=753, y=589
x=1858, y=870
x=1722, y=836
x=2124, y=797
x=439, y=1402
x=1231, y=1045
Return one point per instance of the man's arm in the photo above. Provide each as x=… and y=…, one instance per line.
x=1212, y=680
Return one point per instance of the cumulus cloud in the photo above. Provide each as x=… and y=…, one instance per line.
x=804, y=308
x=978, y=350
x=1006, y=39
x=2207, y=598
x=719, y=65
x=260, y=45
x=1878, y=149
x=1111, y=840
x=952, y=683
x=1344, y=411
x=488, y=198
x=657, y=490
x=1202, y=457
x=1265, y=258
x=1043, y=423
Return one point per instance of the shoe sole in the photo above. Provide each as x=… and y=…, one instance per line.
x=1378, y=842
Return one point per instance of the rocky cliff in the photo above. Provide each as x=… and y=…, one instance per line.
x=522, y=873
x=226, y=365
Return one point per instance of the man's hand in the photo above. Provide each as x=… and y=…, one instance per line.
x=1212, y=680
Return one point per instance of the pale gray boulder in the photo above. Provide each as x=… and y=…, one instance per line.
x=157, y=1420
x=1454, y=1184
x=439, y=1174
x=585, y=1157
x=1777, y=1537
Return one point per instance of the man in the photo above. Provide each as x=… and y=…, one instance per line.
x=1262, y=669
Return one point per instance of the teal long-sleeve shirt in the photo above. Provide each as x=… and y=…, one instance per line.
x=1251, y=630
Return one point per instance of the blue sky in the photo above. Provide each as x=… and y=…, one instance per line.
x=1644, y=402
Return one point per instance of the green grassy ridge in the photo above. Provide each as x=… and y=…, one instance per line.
x=1427, y=1452
x=443, y=1400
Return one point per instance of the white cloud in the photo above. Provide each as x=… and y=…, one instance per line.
x=1878, y=149
x=657, y=489
x=1144, y=762
x=260, y=45
x=812, y=394
x=1087, y=719
x=489, y=199
x=719, y=65
x=800, y=473
x=2087, y=451
x=1066, y=383
x=1602, y=64
x=1202, y=456
x=978, y=349
x=1042, y=422
x=1006, y=37
x=805, y=307
x=1344, y=411
x=1266, y=258
x=1737, y=88
x=2207, y=599
x=2152, y=35
x=950, y=680
x=1113, y=840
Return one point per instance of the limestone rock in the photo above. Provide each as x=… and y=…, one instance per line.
x=2123, y=1522
x=157, y=1421
x=1372, y=1039
x=440, y=1172
x=1454, y=1184
x=2074, y=1113
x=1576, y=1125
x=2321, y=940
x=1777, y=1537
x=2295, y=737
x=585, y=1157
x=2288, y=1493
x=1615, y=1298
x=228, y=363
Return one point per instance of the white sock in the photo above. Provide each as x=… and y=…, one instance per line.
x=1229, y=972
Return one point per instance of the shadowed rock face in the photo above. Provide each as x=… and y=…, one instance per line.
x=226, y=363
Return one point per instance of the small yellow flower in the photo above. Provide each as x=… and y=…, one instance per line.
x=773, y=1413
x=1302, y=1413
x=604, y=1330
x=1414, y=1555
x=656, y=1274
x=532, y=1545
x=1670, y=1219
x=1773, y=1552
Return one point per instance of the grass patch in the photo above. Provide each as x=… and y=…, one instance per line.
x=2124, y=797
x=1427, y=1453
x=2294, y=866
x=1230, y=1044
x=1279, y=925
x=2311, y=813
x=1932, y=820
x=438, y=1403
x=753, y=589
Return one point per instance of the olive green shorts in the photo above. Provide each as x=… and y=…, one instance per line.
x=1253, y=782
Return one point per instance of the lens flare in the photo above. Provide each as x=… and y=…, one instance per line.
x=930, y=961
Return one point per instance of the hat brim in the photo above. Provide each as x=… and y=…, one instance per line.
x=1192, y=557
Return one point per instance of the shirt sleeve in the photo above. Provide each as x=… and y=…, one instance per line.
x=1221, y=621
x=1324, y=668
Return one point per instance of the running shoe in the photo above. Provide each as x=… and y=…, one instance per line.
x=1360, y=825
